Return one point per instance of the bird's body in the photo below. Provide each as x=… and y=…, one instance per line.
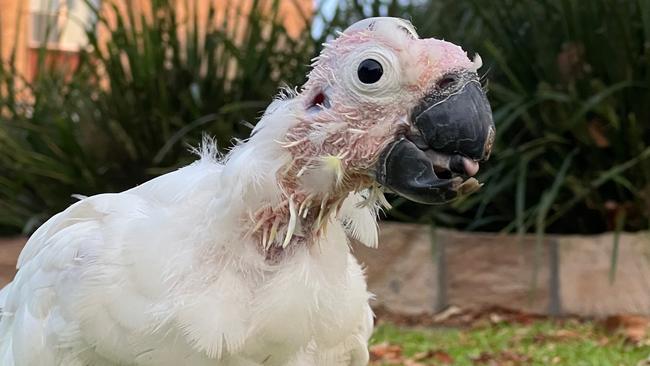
x=243, y=260
x=165, y=274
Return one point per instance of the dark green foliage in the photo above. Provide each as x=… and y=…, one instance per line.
x=569, y=83
x=130, y=110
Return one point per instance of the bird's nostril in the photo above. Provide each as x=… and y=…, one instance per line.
x=447, y=81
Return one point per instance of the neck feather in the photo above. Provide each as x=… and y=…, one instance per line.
x=278, y=210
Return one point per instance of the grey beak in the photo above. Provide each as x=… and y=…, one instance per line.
x=459, y=125
x=407, y=171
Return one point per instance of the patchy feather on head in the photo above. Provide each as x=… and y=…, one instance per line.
x=357, y=101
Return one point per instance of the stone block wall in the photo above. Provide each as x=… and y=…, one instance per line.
x=420, y=270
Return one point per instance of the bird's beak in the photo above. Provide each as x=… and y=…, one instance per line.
x=455, y=132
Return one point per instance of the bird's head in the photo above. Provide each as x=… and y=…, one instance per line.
x=383, y=107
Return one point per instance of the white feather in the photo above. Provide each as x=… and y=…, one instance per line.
x=172, y=272
x=163, y=274
x=360, y=221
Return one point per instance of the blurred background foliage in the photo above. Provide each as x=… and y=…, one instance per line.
x=136, y=102
x=569, y=82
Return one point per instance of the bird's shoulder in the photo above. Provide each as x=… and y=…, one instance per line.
x=103, y=248
x=85, y=217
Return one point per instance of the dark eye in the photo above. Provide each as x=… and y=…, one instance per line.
x=369, y=71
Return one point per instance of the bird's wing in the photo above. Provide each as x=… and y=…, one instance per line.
x=91, y=274
x=162, y=191
x=38, y=302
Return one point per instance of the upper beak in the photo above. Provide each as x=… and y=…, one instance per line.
x=455, y=132
x=458, y=124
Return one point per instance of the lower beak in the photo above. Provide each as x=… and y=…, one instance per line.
x=455, y=133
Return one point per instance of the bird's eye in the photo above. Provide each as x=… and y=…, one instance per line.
x=369, y=71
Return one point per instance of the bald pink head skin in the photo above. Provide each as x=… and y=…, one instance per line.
x=355, y=129
x=347, y=123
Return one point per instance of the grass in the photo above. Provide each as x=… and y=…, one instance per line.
x=568, y=343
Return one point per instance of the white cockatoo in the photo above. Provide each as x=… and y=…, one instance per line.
x=243, y=259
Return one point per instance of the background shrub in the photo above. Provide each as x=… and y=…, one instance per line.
x=133, y=106
x=569, y=83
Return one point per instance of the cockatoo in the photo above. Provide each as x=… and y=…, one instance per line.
x=243, y=259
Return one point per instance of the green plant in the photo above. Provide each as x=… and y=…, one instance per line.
x=137, y=100
x=569, y=82
x=537, y=343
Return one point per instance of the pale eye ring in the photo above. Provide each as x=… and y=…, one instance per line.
x=369, y=71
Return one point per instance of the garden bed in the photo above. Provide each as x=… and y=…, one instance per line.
x=542, y=343
x=504, y=337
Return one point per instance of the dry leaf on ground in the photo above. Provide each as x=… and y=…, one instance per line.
x=503, y=358
x=633, y=327
x=386, y=353
x=439, y=356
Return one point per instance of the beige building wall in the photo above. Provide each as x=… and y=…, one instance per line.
x=291, y=12
x=13, y=30
x=15, y=16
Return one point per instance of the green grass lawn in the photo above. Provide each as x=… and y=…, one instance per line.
x=569, y=343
